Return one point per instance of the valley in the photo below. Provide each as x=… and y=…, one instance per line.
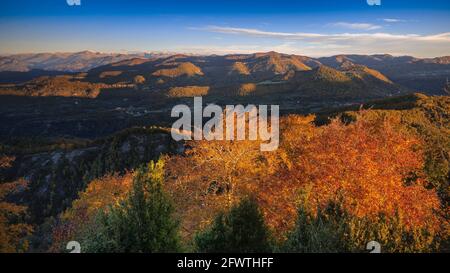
x=107, y=96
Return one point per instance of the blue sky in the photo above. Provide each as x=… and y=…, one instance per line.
x=313, y=28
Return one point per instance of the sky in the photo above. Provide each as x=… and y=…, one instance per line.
x=313, y=28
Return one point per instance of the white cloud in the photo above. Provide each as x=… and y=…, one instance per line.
x=442, y=37
x=393, y=20
x=319, y=44
x=356, y=26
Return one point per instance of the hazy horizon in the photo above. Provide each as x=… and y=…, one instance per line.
x=162, y=52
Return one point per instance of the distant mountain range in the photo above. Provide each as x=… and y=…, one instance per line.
x=427, y=75
x=65, y=62
x=350, y=76
x=259, y=74
x=86, y=60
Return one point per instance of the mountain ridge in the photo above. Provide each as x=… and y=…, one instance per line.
x=266, y=72
x=50, y=60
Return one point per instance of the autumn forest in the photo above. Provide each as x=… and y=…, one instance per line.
x=336, y=182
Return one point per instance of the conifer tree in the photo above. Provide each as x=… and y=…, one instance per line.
x=240, y=230
x=142, y=223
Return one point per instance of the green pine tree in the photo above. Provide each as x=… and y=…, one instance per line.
x=241, y=230
x=142, y=223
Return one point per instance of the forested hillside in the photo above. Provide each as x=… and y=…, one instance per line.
x=341, y=178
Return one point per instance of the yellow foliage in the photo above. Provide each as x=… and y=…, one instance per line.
x=98, y=196
x=12, y=230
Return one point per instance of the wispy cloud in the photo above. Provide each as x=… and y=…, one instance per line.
x=393, y=20
x=356, y=26
x=442, y=37
x=320, y=44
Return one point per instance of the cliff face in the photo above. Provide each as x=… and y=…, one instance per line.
x=56, y=177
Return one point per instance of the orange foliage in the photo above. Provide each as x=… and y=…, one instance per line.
x=5, y=161
x=12, y=230
x=371, y=167
x=209, y=178
x=213, y=175
x=99, y=195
